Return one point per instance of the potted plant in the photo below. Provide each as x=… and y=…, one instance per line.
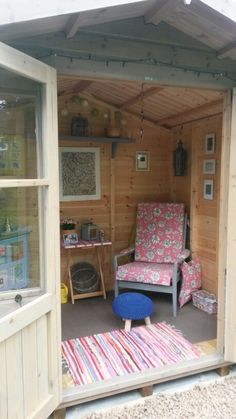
x=68, y=225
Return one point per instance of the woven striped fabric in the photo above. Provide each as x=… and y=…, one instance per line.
x=107, y=355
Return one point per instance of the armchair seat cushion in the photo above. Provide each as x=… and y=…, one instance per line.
x=146, y=272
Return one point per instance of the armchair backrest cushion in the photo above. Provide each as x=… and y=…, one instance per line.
x=159, y=232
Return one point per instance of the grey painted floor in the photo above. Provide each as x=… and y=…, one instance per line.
x=94, y=315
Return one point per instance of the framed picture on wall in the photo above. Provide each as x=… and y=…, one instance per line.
x=79, y=173
x=142, y=160
x=210, y=143
x=208, y=189
x=209, y=167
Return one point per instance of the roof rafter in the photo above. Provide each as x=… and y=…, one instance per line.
x=72, y=25
x=145, y=119
x=128, y=113
x=226, y=50
x=141, y=96
x=77, y=88
x=200, y=108
x=159, y=11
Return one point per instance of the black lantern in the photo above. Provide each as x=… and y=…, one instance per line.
x=180, y=160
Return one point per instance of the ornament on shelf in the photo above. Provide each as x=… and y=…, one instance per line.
x=84, y=103
x=64, y=110
x=95, y=112
x=123, y=122
x=106, y=115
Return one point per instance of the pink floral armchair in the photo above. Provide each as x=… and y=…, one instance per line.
x=158, y=252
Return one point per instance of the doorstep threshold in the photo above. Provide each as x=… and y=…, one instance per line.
x=88, y=392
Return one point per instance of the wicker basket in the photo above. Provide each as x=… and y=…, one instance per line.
x=84, y=278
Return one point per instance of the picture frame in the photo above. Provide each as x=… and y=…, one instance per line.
x=70, y=238
x=209, y=167
x=208, y=189
x=210, y=143
x=79, y=171
x=142, y=160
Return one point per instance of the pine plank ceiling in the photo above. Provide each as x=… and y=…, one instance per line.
x=161, y=105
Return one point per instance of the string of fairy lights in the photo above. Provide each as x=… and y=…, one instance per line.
x=216, y=74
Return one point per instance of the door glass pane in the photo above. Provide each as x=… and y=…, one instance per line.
x=19, y=126
x=19, y=238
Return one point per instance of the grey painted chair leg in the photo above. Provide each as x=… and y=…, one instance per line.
x=116, y=288
x=174, y=298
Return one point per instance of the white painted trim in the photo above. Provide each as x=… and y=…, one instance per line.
x=24, y=316
x=230, y=318
x=49, y=302
x=23, y=183
x=85, y=393
x=22, y=64
x=23, y=10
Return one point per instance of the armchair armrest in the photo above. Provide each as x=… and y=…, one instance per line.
x=185, y=253
x=125, y=252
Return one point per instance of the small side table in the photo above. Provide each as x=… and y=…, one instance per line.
x=96, y=245
x=133, y=306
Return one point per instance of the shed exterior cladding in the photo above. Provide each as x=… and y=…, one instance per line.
x=162, y=45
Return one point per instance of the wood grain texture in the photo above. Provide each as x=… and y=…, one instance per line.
x=122, y=187
x=204, y=214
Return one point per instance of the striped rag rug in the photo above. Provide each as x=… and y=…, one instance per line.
x=104, y=356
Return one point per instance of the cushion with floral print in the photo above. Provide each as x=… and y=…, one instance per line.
x=191, y=280
x=159, y=232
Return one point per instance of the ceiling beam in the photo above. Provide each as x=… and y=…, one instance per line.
x=157, y=13
x=226, y=50
x=77, y=88
x=134, y=72
x=187, y=112
x=137, y=115
x=112, y=106
x=141, y=96
x=72, y=25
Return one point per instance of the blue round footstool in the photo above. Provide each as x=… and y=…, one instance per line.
x=133, y=306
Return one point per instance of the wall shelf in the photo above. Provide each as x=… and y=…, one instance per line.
x=114, y=141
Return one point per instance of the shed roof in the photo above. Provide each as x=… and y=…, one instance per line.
x=191, y=38
x=210, y=22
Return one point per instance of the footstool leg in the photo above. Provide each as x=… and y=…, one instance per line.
x=147, y=321
x=127, y=325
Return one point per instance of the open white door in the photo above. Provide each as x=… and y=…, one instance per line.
x=30, y=373
x=230, y=238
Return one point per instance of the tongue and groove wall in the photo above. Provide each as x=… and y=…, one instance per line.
x=122, y=187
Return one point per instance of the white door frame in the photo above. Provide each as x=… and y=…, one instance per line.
x=30, y=336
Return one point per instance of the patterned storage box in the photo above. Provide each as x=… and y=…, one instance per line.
x=205, y=301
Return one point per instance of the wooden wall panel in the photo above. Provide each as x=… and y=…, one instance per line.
x=204, y=214
x=159, y=184
x=181, y=185
x=122, y=187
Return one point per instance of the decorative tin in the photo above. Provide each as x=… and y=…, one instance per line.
x=205, y=300
x=89, y=231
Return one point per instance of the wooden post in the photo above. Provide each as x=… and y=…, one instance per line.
x=223, y=218
x=223, y=371
x=146, y=391
x=112, y=212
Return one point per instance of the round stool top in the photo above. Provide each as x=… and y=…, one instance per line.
x=132, y=306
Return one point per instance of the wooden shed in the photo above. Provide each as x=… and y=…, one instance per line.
x=155, y=72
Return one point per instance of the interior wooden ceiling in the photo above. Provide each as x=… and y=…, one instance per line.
x=162, y=105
